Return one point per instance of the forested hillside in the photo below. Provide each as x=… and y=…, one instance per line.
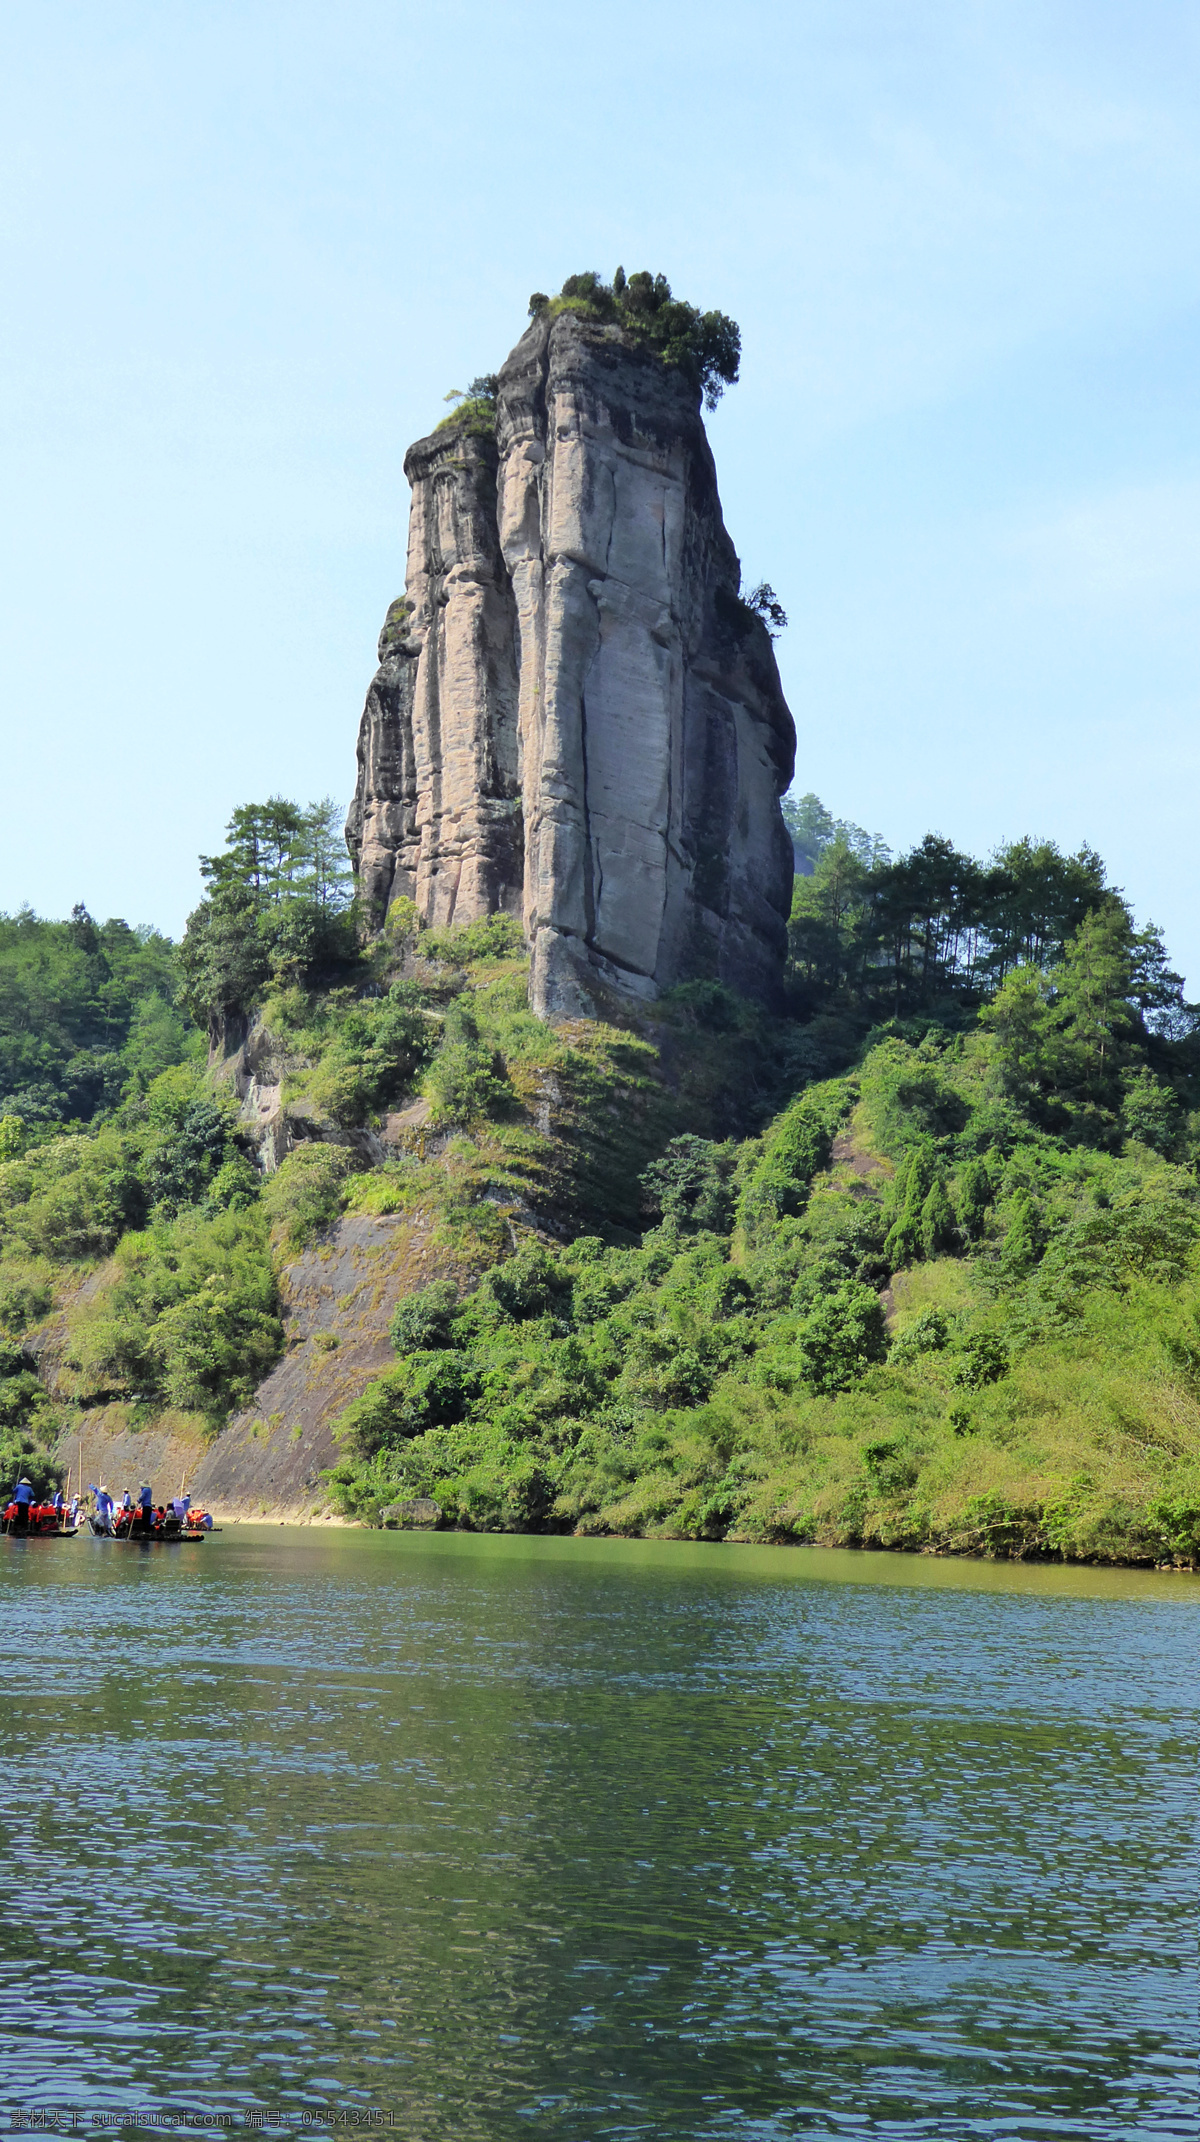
x=85, y=1008
x=916, y=1265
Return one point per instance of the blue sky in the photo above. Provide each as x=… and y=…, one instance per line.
x=247, y=248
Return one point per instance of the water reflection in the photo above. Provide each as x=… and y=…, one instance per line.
x=599, y=1840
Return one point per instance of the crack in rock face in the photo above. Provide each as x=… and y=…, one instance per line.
x=575, y=719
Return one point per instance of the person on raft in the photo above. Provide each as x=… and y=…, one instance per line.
x=23, y=1497
x=146, y=1505
x=104, y=1507
x=58, y=1506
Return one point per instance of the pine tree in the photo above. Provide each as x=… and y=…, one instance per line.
x=1022, y=1025
x=906, y=1241
x=278, y=906
x=1094, y=1012
x=973, y=1198
x=937, y=1221
x=323, y=873
x=262, y=851
x=1025, y=1239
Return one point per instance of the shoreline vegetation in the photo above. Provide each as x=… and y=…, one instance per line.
x=914, y=1265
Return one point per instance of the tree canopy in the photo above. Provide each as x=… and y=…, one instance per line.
x=277, y=907
x=85, y=1007
x=1035, y=942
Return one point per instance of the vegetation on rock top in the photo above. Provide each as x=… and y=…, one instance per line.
x=475, y=410
x=705, y=346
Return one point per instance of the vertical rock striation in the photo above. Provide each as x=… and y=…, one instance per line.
x=575, y=716
x=437, y=810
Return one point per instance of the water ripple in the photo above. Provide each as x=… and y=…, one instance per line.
x=594, y=1843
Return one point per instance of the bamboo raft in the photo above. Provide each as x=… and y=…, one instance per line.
x=131, y=1536
x=43, y=1524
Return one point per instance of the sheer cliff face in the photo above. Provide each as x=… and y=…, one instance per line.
x=437, y=811
x=577, y=717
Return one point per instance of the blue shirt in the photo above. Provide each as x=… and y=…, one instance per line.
x=23, y=1493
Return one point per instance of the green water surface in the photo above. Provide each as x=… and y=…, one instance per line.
x=583, y=1840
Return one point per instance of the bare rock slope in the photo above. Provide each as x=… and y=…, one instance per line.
x=337, y=1299
x=575, y=717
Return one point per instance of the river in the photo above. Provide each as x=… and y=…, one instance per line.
x=489, y=1838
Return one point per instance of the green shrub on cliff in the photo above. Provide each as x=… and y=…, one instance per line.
x=466, y=1083
x=777, y=1175
x=305, y=1194
x=29, y=1422
x=364, y=1052
x=184, y=1312
x=691, y=1186
x=490, y=937
x=187, y=1316
x=424, y=1391
x=475, y=410
x=423, y=1321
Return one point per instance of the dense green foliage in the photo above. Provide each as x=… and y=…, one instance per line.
x=1037, y=1390
x=86, y=1010
x=1077, y=993
x=122, y=1163
x=278, y=909
x=184, y=1314
x=28, y=1422
x=944, y=1299
x=814, y=829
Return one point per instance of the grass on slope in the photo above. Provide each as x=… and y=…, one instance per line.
x=1028, y=1380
